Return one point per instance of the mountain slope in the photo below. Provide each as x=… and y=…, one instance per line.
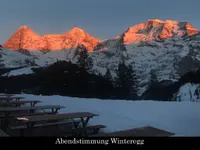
x=168, y=48
x=14, y=59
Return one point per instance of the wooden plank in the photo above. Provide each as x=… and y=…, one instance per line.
x=146, y=131
x=92, y=129
x=10, y=109
x=12, y=97
x=45, y=124
x=7, y=95
x=2, y=98
x=3, y=134
x=20, y=102
x=58, y=116
x=100, y=134
x=26, y=114
x=87, y=131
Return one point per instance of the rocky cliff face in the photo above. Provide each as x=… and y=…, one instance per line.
x=158, y=30
x=25, y=38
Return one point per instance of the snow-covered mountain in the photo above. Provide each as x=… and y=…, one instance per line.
x=26, y=38
x=169, y=48
x=14, y=59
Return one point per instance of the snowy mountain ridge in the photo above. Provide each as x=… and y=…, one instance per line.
x=169, y=48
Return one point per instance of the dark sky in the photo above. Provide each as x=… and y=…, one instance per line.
x=101, y=18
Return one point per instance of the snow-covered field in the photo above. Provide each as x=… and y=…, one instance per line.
x=181, y=118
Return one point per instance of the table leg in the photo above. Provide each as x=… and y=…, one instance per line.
x=30, y=128
x=31, y=111
x=33, y=104
x=84, y=124
x=6, y=121
x=75, y=124
x=55, y=111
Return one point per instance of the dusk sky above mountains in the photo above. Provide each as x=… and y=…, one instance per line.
x=103, y=19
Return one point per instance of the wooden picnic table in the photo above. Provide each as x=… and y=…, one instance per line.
x=16, y=98
x=7, y=95
x=84, y=116
x=54, y=108
x=146, y=131
x=19, y=103
x=8, y=110
x=32, y=121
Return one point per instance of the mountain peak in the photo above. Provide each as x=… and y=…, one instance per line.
x=23, y=38
x=76, y=29
x=155, y=20
x=76, y=32
x=24, y=27
x=163, y=21
x=156, y=29
x=78, y=36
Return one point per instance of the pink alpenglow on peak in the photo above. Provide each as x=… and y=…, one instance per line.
x=25, y=38
x=155, y=29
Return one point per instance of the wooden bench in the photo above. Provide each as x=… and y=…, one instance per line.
x=7, y=111
x=89, y=130
x=32, y=121
x=26, y=114
x=59, y=116
x=146, y=131
x=18, y=103
x=47, y=124
x=3, y=134
x=54, y=108
x=6, y=95
x=10, y=98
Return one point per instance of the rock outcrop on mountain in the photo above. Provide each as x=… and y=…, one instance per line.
x=158, y=30
x=25, y=38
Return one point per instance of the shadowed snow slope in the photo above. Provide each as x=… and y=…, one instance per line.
x=187, y=92
x=181, y=118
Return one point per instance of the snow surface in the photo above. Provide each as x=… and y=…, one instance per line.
x=12, y=59
x=187, y=92
x=181, y=118
x=26, y=70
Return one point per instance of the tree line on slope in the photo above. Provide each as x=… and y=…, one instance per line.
x=159, y=91
x=65, y=78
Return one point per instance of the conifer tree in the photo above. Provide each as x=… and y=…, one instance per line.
x=84, y=60
x=153, y=79
x=126, y=81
